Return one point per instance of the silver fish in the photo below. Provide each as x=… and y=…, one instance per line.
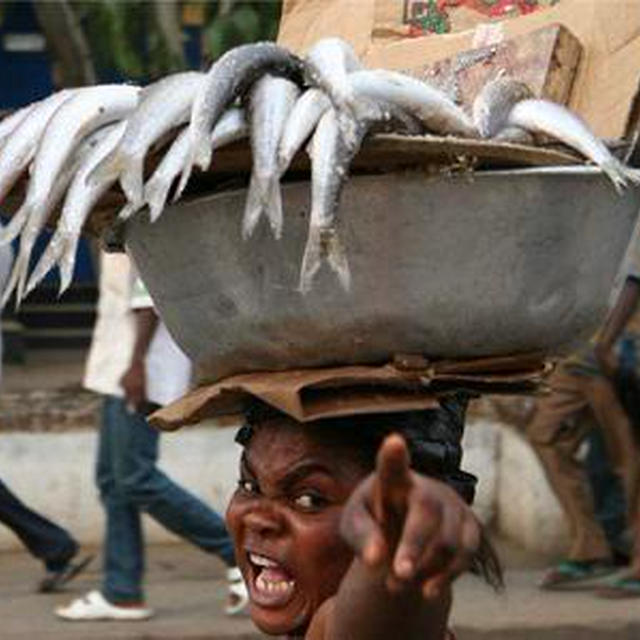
x=10, y=122
x=81, y=196
x=21, y=145
x=165, y=104
x=493, y=103
x=542, y=116
x=330, y=160
x=85, y=111
x=271, y=101
x=32, y=229
x=231, y=127
x=329, y=63
x=303, y=119
x=432, y=107
x=229, y=77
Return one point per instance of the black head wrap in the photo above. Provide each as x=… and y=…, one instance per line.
x=433, y=437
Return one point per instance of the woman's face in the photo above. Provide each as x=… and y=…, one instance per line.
x=284, y=519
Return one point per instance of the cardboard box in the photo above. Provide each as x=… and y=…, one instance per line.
x=609, y=32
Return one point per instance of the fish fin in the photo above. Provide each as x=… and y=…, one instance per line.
x=324, y=244
x=131, y=179
x=47, y=261
x=108, y=169
x=16, y=224
x=155, y=195
x=254, y=206
x=273, y=206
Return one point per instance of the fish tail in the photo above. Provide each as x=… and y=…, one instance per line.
x=155, y=195
x=108, y=169
x=619, y=174
x=273, y=206
x=184, y=179
x=129, y=209
x=67, y=263
x=46, y=263
x=131, y=178
x=18, y=274
x=324, y=244
x=632, y=174
x=202, y=152
x=254, y=205
x=311, y=260
x=348, y=125
x=336, y=256
x=16, y=224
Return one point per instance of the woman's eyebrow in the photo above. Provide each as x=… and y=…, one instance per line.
x=301, y=471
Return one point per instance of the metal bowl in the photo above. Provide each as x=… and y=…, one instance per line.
x=493, y=263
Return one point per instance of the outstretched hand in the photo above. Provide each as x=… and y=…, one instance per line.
x=417, y=529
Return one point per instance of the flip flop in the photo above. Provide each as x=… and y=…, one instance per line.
x=577, y=574
x=54, y=580
x=94, y=606
x=238, y=593
x=620, y=588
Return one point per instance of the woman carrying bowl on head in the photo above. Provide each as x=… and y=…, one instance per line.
x=355, y=527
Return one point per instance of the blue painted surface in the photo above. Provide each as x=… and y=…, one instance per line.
x=25, y=77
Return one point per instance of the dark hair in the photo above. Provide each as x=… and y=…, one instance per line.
x=433, y=437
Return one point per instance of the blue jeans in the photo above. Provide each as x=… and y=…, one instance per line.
x=44, y=539
x=130, y=483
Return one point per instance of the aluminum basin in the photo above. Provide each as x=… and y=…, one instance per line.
x=499, y=263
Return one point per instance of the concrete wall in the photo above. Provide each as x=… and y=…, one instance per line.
x=53, y=473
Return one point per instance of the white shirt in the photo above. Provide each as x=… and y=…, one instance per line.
x=6, y=258
x=168, y=370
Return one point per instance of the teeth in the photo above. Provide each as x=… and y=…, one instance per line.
x=261, y=561
x=280, y=586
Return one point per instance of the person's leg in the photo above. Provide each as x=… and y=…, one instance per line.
x=123, y=543
x=618, y=435
x=608, y=496
x=169, y=504
x=556, y=436
x=44, y=539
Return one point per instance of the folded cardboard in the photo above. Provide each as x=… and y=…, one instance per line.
x=384, y=34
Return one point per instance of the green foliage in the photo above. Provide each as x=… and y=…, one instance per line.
x=124, y=35
x=231, y=24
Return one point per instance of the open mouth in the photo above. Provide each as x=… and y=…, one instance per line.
x=270, y=585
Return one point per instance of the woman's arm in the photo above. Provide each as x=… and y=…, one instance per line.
x=412, y=536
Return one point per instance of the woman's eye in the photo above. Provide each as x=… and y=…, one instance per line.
x=247, y=486
x=309, y=501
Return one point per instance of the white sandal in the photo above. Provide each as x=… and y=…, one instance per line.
x=94, y=606
x=237, y=591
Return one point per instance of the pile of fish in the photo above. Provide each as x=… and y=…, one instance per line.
x=78, y=143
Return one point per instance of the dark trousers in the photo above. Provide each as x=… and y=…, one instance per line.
x=44, y=539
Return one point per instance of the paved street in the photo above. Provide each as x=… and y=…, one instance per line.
x=187, y=590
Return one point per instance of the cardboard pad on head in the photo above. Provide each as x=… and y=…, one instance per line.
x=410, y=383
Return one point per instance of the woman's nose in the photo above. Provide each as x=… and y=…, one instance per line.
x=263, y=520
